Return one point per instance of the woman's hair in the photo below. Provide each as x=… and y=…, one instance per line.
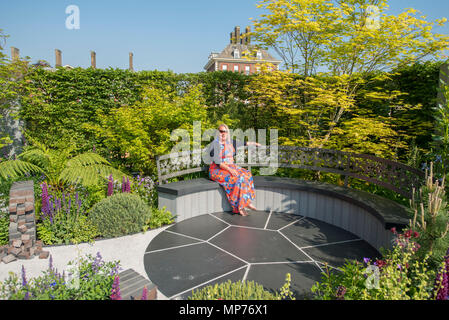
x=228, y=137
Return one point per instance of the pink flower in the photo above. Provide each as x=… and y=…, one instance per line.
x=115, y=292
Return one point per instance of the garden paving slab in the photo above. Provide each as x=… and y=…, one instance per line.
x=263, y=247
x=200, y=227
x=311, y=232
x=182, y=268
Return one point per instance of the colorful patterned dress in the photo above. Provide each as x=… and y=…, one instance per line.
x=239, y=190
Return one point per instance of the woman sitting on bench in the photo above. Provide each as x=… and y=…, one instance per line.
x=236, y=181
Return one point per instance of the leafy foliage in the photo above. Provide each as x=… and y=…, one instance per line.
x=59, y=166
x=92, y=279
x=242, y=290
x=399, y=275
x=158, y=218
x=120, y=214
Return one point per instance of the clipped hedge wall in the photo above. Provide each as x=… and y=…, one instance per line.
x=57, y=105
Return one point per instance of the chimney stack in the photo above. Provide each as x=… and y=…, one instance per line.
x=247, y=36
x=14, y=54
x=131, y=61
x=58, y=58
x=237, y=35
x=93, y=60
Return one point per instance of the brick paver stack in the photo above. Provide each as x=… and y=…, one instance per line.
x=22, y=226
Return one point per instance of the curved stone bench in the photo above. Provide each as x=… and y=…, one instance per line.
x=368, y=216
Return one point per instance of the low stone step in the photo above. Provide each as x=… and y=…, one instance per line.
x=132, y=284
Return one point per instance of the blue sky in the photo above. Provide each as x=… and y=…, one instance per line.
x=175, y=35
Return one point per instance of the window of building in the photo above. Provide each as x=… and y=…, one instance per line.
x=224, y=67
x=259, y=55
x=247, y=70
x=236, y=54
x=236, y=68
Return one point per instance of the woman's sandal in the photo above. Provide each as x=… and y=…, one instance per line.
x=243, y=213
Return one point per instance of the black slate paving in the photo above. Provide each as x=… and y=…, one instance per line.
x=177, y=270
x=263, y=247
x=312, y=232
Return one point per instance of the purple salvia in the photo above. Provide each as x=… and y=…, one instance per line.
x=25, y=284
x=115, y=292
x=110, y=186
x=24, y=278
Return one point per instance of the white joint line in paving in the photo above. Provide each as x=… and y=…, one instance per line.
x=288, y=225
x=231, y=254
x=218, y=233
x=246, y=272
x=269, y=216
x=301, y=250
x=219, y=219
x=208, y=281
x=184, y=235
x=332, y=243
x=176, y=247
x=281, y=262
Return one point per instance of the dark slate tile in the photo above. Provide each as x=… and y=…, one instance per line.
x=272, y=277
x=279, y=220
x=166, y=240
x=255, y=219
x=234, y=277
x=254, y=245
x=174, y=271
x=335, y=254
x=311, y=232
x=202, y=227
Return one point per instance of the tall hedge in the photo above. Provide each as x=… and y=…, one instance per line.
x=57, y=105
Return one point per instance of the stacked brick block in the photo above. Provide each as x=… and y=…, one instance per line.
x=22, y=225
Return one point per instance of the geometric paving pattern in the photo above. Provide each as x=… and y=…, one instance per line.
x=262, y=247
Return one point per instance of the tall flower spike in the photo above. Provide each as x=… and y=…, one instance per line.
x=144, y=293
x=115, y=291
x=110, y=186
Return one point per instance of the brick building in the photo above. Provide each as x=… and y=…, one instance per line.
x=239, y=55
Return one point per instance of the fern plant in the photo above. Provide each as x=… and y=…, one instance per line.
x=59, y=166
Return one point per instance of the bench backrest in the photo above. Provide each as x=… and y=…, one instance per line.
x=389, y=174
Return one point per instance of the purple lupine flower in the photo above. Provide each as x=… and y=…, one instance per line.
x=128, y=185
x=24, y=278
x=123, y=184
x=115, y=291
x=97, y=263
x=25, y=283
x=110, y=186
x=144, y=293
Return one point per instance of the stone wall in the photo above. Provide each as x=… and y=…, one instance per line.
x=22, y=225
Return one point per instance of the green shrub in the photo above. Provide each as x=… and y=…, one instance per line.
x=91, y=279
x=120, y=214
x=158, y=218
x=246, y=290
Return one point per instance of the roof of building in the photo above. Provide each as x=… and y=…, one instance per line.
x=247, y=51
